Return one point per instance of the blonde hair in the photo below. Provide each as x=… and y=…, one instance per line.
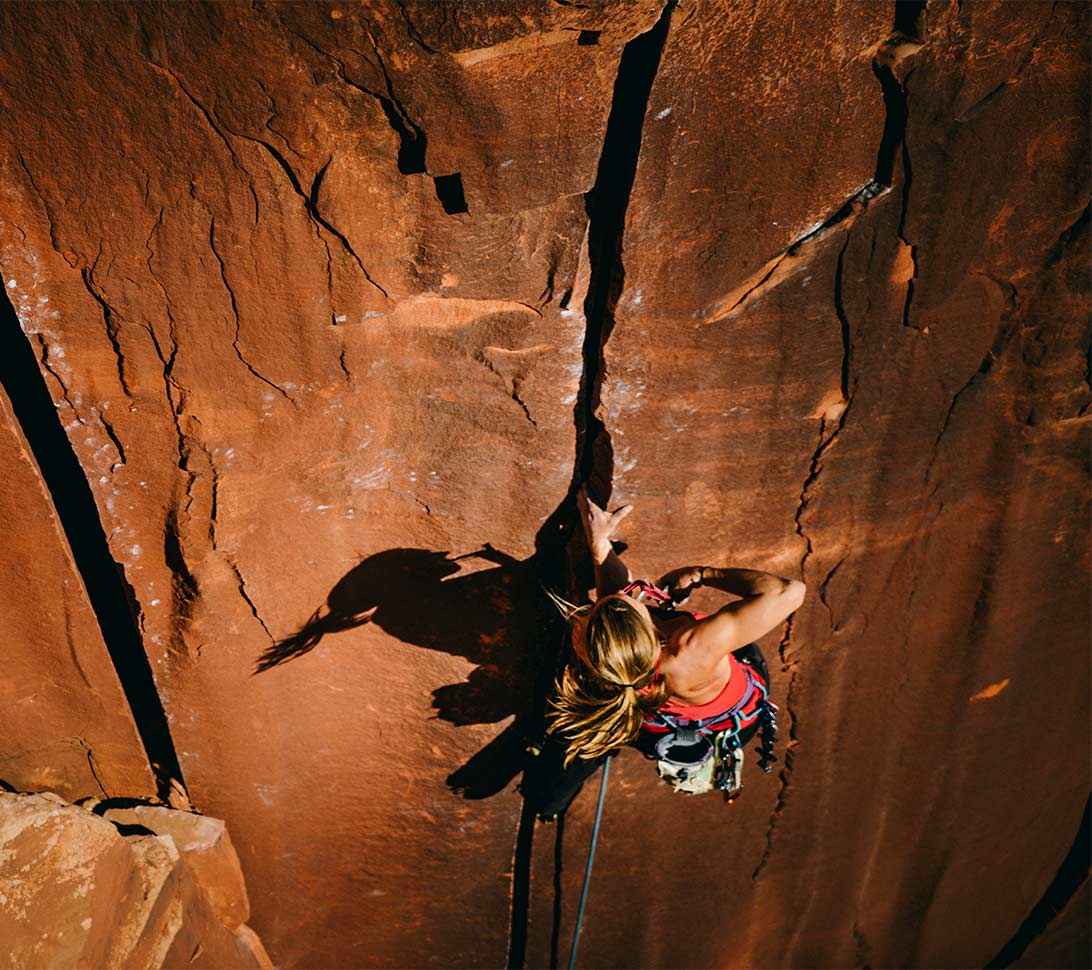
x=596, y=706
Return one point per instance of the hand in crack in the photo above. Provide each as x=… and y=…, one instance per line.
x=599, y=524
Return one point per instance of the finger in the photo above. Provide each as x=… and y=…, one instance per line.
x=618, y=514
x=685, y=582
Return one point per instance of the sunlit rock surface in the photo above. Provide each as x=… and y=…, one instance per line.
x=336, y=301
x=63, y=717
x=158, y=888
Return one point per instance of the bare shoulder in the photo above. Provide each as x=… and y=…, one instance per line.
x=689, y=668
x=695, y=675
x=739, y=623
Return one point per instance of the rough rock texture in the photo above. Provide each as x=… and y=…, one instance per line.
x=64, y=720
x=78, y=891
x=338, y=301
x=205, y=846
x=909, y=385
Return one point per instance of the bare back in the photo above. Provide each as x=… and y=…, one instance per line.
x=696, y=657
x=692, y=680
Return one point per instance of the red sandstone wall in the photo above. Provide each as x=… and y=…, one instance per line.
x=63, y=717
x=841, y=342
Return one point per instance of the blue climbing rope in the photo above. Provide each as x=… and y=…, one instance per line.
x=591, y=858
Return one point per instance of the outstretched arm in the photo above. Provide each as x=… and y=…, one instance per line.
x=766, y=601
x=611, y=574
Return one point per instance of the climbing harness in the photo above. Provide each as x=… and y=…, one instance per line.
x=693, y=755
x=591, y=859
x=696, y=756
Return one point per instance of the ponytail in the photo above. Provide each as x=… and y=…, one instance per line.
x=598, y=708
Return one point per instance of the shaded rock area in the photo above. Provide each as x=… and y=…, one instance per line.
x=136, y=887
x=1065, y=943
x=333, y=305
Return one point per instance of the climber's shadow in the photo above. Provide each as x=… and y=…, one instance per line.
x=497, y=618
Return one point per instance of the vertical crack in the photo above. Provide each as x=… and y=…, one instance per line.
x=71, y=644
x=606, y=204
x=214, y=492
x=520, y=910
x=784, y=787
x=43, y=346
x=559, y=871
x=109, y=321
x=92, y=766
x=114, y=440
x=67, y=256
x=112, y=599
x=860, y=948
x=235, y=312
x=908, y=23
x=246, y=598
x=906, y=38
x=847, y=336
x=184, y=589
x=834, y=625
x=993, y=353
x=848, y=386
x=411, y=27
x=413, y=143
x=175, y=393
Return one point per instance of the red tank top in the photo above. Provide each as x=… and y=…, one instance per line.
x=731, y=694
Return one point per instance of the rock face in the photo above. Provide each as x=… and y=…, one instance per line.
x=1066, y=942
x=78, y=893
x=63, y=716
x=336, y=303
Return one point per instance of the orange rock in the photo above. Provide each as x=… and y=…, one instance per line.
x=77, y=893
x=355, y=295
x=206, y=848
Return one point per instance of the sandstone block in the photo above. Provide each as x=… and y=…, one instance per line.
x=206, y=848
x=74, y=892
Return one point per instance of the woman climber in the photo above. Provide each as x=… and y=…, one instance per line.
x=687, y=689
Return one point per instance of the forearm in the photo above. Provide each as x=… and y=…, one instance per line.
x=744, y=582
x=611, y=574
